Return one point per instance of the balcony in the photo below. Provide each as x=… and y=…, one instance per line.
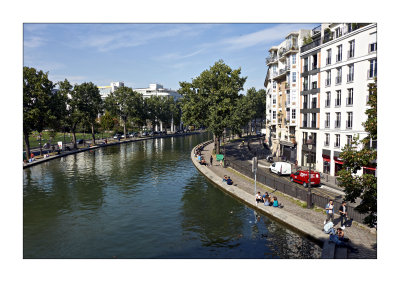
x=316, y=31
x=311, y=45
x=314, y=66
x=270, y=60
x=338, y=80
x=337, y=123
x=350, y=77
x=327, y=82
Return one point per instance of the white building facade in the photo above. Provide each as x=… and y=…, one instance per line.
x=156, y=89
x=348, y=65
x=107, y=90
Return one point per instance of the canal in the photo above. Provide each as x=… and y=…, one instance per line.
x=144, y=200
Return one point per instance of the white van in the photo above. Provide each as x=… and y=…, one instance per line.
x=281, y=168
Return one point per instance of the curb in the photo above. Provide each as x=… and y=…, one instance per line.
x=100, y=146
x=294, y=222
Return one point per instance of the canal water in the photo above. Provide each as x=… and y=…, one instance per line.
x=144, y=200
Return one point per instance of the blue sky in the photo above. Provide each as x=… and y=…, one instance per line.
x=139, y=54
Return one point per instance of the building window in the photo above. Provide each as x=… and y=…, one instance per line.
x=305, y=137
x=349, y=122
x=305, y=68
x=350, y=76
x=328, y=78
x=337, y=121
x=372, y=47
x=339, y=54
x=293, y=114
x=273, y=114
x=337, y=140
x=338, y=32
x=349, y=101
x=327, y=137
x=349, y=139
x=314, y=103
x=328, y=100
x=273, y=100
x=339, y=75
x=314, y=120
x=274, y=84
x=293, y=59
x=305, y=101
x=351, y=51
x=305, y=84
x=338, y=100
x=372, y=69
x=327, y=120
x=329, y=56
x=293, y=76
x=314, y=61
x=305, y=120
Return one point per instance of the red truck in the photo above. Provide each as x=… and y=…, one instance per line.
x=301, y=176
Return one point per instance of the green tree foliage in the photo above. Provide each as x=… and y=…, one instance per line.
x=257, y=102
x=107, y=121
x=360, y=154
x=125, y=103
x=210, y=98
x=89, y=104
x=37, y=95
x=242, y=114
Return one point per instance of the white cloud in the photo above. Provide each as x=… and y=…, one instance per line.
x=34, y=41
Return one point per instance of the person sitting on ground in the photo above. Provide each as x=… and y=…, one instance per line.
x=259, y=199
x=328, y=228
x=335, y=238
x=225, y=178
x=265, y=196
x=229, y=181
x=267, y=201
x=203, y=162
x=276, y=204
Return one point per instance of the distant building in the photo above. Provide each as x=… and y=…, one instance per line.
x=156, y=89
x=107, y=90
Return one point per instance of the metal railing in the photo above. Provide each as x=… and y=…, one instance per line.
x=338, y=80
x=291, y=189
x=350, y=77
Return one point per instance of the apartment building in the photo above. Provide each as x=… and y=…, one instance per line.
x=156, y=89
x=348, y=65
x=282, y=83
x=310, y=98
x=107, y=90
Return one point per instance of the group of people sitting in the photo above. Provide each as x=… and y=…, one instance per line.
x=201, y=159
x=268, y=200
x=227, y=180
x=337, y=237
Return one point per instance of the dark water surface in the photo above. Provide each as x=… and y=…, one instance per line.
x=144, y=200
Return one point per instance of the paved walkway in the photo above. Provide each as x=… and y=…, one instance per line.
x=361, y=236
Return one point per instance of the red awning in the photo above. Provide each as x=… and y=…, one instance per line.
x=326, y=160
x=338, y=162
x=371, y=168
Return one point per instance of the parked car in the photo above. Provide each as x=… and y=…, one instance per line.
x=302, y=177
x=133, y=134
x=145, y=133
x=270, y=158
x=80, y=141
x=281, y=168
x=117, y=136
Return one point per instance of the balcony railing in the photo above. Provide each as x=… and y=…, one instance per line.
x=304, y=105
x=271, y=59
x=327, y=103
x=338, y=80
x=327, y=124
x=274, y=74
x=305, y=68
x=350, y=54
x=316, y=30
x=311, y=45
x=349, y=101
x=314, y=85
x=314, y=66
x=314, y=124
x=371, y=73
x=327, y=82
x=337, y=123
x=339, y=57
x=328, y=61
x=350, y=77
x=304, y=123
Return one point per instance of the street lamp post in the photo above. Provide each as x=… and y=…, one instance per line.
x=309, y=145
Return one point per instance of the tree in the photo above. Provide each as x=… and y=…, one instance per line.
x=360, y=154
x=89, y=104
x=125, y=103
x=241, y=115
x=257, y=102
x=37, y=92
x=107, y=121
x=210, y=98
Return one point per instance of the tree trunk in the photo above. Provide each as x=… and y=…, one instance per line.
x=93, y=136
x=27, y=147
x=217, y=151
x=125, y=129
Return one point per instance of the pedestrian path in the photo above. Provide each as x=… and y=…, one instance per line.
x=362, y=237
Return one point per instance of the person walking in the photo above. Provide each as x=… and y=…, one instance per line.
x=211, y=160
x=329, y=211
x=343, y=214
